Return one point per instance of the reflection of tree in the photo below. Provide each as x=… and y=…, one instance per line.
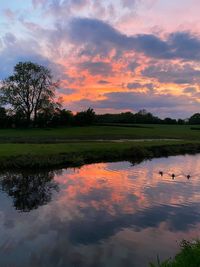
x=29, y=190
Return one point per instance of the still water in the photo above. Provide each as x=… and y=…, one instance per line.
x=100, y=215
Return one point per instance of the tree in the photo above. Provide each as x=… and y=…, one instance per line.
x=86, y=117
x=169, y=121
x=62, y=117
x=195, y=119
x=29, y=90
x=3, y=118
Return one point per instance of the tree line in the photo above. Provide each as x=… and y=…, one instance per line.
x=28, y=99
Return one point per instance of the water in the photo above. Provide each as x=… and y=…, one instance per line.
x=101, y=215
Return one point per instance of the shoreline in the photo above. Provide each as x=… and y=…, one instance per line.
x=55, y=156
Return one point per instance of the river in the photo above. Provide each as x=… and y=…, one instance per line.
x=99, y=215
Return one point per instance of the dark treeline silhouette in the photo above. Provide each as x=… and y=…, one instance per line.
x=64, y=118
x=48, y=118
x=143, y=117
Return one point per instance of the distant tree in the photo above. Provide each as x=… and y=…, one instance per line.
x=181, y=122
x=62, y=117
x=86, y=117
x=29, y=90
x=45, y=116
x=142, y=112
x=3, y=117
x=169, y=121
x=144, y=116
x=195, y=119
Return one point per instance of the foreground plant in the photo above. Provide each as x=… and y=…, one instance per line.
x=189, y=256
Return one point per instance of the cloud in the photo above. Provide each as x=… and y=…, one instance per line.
x=103, y=82
x=168, y=73
x=101, y=37
x=129, y=3
x=97, y=68
x=9, y=38
x=161, y=105
x=67, y=91
x=87, y=230
x=15, y=50
x=132, y=65
x=191, y=90
x=136, y=85
x=9, y=14
x=37, y=3
x=61, y=9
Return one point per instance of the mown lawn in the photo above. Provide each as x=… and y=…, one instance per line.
x=71, y=154
x=99, y=132
x=79, y=145
x=9, y=149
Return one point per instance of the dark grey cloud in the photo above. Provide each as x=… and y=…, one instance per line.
x=100, y=37
x=185, y=45
x=136, y=85
x=67, y=91
x=97, y=68
x=103, y=82
x=191, y=90
x=160, y=105
x=88, y=230
x=132, y=66
x=167, y=73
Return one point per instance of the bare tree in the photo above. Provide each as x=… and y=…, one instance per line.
x=29, y=90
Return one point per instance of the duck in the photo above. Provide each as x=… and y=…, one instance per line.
x=173, y=176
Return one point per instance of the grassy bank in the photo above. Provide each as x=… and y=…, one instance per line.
x=61, y=135
x=66, y=154
x=189, y=256
x=35, y=148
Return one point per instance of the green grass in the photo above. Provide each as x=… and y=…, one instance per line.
x=189, y=256
x=66, y=154
x=20, y=148
x=48, y=149
x=98, y=132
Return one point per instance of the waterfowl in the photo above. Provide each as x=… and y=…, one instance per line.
x=173, y=176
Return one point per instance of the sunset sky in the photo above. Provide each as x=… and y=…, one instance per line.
x=111, y=55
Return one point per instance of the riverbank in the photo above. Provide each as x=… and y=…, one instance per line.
x=18, y=156
x=189, y=256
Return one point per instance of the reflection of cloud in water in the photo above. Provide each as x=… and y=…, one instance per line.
x=89, y=230
x=103, y=215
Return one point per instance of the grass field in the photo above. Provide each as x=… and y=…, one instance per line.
x=22, y=148
x=77, y=154
x=99, y=132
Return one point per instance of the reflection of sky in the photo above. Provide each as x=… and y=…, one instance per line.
x=106, y=215
x=113, y=55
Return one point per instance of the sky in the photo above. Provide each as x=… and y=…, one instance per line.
x=111, y=55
